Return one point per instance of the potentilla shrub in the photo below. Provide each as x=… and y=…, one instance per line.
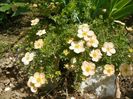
x=58, y=47
x=77, y=48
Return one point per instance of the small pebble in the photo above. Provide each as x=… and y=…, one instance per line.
x=0, y=89
x=6, y=82
x=72, y=98
x=11, y=85
x=7, y=89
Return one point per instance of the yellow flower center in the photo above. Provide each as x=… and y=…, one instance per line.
x=77, y=46
x=91, y=41
x=95, y=55
x=28, y=57
x=108, y=49
x=84, y=33
x=109, y=70
x=39, y=80
x=88, y=68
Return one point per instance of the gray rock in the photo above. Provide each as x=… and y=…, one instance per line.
x=100, y=85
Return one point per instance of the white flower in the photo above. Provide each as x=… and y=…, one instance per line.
x=40, y=79
x=41, y=32
x=33, y=89
x=96, y=55
x=88, y=68
x=31, y=83
x=84, y=26
x=35, y=21
x=78, y=47
x=84, y=31
x=104, y=10
x=109, y=69
x=36, y=81
x=38, y=44
x=34, y=5
x=65, y=52
x=108, y=47
x=28, y=58
x=92, y=41
x=73, y=60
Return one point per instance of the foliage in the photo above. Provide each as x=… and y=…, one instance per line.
x=61, y=20
x=12, y=9
x=114, y=9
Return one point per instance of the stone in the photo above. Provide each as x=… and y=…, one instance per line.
x=7, y=89
x=6, y=81
x=101, y=85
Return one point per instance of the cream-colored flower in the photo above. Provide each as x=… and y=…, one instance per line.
x=108, y=47
x=84, y=31
x=28, y=58
x=35, y=5
x=88, y=68
x=84, y=26
x=109, y=69
x=31, y=83
x=38, y=44
x=92, y=42
x=35, y=21
x=40, y=79
x=96, y=55
x=33, y=89
x=36, y=81
x=41, y=32
x=73, y=60
x=77, y=47
x=126, y=70
x=65, y=52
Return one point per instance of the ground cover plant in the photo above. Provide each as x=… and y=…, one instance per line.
x=73, y=40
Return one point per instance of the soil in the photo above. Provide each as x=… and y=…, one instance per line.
x=13, y=79
x=126, y=87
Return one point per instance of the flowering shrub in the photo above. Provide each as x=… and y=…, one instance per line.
x=59, y=45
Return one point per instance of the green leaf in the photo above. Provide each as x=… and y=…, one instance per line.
x=121, y=4
x=5, y=7
x=113, y=2
x=124, y=12
x=20, y=10
x=19, y=4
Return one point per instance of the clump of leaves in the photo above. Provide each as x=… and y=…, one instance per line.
x=62, y=25
x=113, y=9
x=12, y=9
